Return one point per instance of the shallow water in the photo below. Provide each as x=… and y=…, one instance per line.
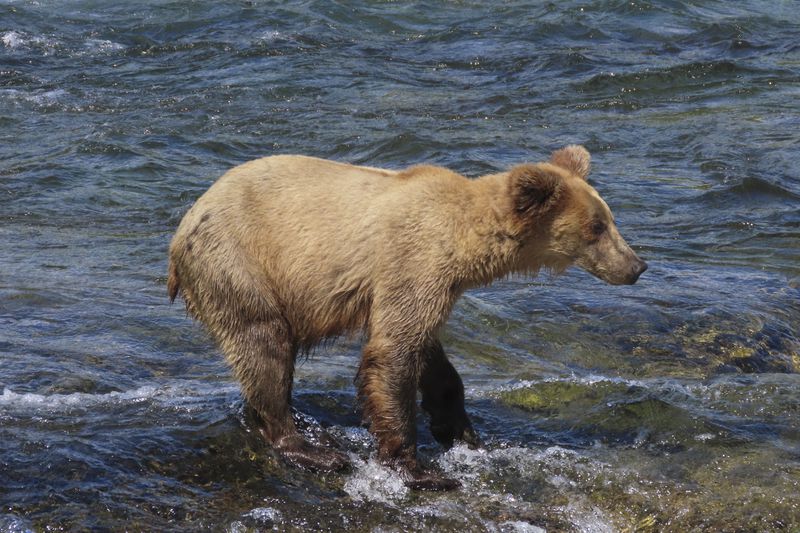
x=670, y=405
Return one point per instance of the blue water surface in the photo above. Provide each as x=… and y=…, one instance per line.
x=670, y=405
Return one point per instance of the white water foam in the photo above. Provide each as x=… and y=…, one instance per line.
x=12, y=39
x=56, y=402
x=373, y=482
x=587, y=518
x=16, y=40
x=189, y=397
x=45, y=98
x=469, y=465
x=265, y=515
x=580, y=380
x=464, y=512
x=269, y=36
x=10, y=523
x=237, y=527
x=256, y=519
x=102, y=45
x=566, y=470
x=517, y=526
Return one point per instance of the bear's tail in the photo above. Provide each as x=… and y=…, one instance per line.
x=173, y=283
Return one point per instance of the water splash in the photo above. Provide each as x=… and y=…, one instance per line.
x=373, y=482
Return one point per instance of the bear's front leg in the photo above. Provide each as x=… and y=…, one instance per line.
x=387, y=386
x=443, y=398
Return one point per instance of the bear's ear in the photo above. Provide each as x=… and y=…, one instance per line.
x=574, y=158
x=535, y=189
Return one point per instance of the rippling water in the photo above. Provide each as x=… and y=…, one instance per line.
x=670, y=405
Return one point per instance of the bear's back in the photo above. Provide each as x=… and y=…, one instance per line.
x=313, y=231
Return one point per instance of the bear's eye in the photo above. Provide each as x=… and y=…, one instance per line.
x=598, y=228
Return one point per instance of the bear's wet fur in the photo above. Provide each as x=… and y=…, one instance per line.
x=285, y=251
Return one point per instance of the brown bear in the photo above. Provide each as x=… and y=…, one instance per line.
x=285, y=251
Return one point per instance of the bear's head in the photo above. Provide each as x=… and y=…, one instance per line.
x=562, y=220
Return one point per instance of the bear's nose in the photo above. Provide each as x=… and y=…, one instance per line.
x=638, y=268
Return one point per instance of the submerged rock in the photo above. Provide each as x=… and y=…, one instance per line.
x=724, y=344
x=610, y=412
x=555, y=396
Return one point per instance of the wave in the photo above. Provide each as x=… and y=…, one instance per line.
x=44, y=98
x=21, y=42
x=717, y=403
x=665, y=80
x=186, y=396
x=59, y=402
x=102, y=45
x=748, y=188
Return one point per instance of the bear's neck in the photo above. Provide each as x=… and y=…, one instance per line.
x=489, y=247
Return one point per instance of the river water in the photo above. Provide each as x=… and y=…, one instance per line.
x=670, y=405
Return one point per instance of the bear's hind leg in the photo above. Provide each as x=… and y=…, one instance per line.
x=262, y=356
x=443, y=398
